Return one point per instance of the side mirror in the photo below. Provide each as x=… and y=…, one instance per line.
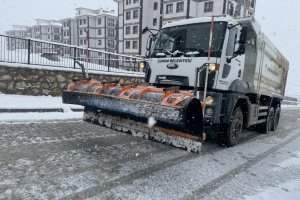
x=241, y=50
x=145, y=30
x=147, y=54
x=243, y=35
x=149, y=43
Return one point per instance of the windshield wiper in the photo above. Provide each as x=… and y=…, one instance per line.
x=164, y=53
x=161, y=55
x=193, y=52
x=177, y=53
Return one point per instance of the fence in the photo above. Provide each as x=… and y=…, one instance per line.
x=39, y=52
x=290, y=101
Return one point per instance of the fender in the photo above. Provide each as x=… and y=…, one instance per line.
x=231, y=100
x=241, y=87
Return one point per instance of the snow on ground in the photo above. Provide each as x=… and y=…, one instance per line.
x=287, y=191
x=36, y=102
x=290, y=162
x=37, y=117
x=31, y=102
x=291, y=106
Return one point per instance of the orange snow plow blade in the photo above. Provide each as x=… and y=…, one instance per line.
x=174, y=112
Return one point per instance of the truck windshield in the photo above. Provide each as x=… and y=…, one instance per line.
x=189, y=39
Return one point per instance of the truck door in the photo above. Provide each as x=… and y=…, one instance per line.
x=231, y=70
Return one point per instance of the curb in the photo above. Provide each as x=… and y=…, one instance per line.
x=25, y=110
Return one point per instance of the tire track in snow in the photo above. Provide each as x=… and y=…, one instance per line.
x=144, y=173
x=216, y=183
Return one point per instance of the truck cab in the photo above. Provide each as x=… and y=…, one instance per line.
x=244, y=74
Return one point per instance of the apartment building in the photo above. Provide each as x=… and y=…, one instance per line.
x=48, y=30
x=91, y=29
x=134, y=15
x=19, y=32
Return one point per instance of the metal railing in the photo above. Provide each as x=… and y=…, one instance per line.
x=39, y=52
x=290, y=101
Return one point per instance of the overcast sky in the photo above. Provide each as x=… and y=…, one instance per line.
x=279, y=19
x=24, y=12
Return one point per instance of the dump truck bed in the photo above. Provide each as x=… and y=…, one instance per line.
x=265, y=67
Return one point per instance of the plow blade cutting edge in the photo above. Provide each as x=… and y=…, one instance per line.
x=177, y=113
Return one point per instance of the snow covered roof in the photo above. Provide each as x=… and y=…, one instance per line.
x=66, y=19
x=91, y=12
x=44, y=22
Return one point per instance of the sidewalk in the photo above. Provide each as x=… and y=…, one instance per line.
x=20, y=108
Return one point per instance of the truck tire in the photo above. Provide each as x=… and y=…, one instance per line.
x=234, y=128
x=276, y=119
x=266, y=127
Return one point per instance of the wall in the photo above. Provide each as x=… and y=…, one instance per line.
x=33, y=81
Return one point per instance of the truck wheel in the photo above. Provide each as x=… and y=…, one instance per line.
x=266, y=127
x=234, y=128
x=276, y=119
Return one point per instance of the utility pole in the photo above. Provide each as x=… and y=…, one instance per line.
x=87, y=33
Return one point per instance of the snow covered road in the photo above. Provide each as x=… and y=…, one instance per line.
x=77, y=160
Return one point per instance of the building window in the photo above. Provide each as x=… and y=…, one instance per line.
x=230, y=9
x=80, y=32
x=127, y=30
x=155, y=22
x=180, y=7
x=128, y=2
x=135, y=14
x=56, y=30
x=111, y=33
x=56, y=37
x=48, y=37
x=80, y=22
x=110, y=43
x=208, y=7
x=127, y=45
x=84, y=21
x=81, y=42
x=99, y=21
x=128, y=15
x=155, y=5
x=135, y=30
x=99, y=42
x=135, y=1
x=169, y=8
x=66, y=33
x=84, y=41
x=111, y=22
x=99, y=32
x=134, y=44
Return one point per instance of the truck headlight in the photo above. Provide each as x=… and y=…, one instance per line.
x=142, y=65
x=209, y=100
x=213, y=66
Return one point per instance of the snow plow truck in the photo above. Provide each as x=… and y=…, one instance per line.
x=207, y=77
